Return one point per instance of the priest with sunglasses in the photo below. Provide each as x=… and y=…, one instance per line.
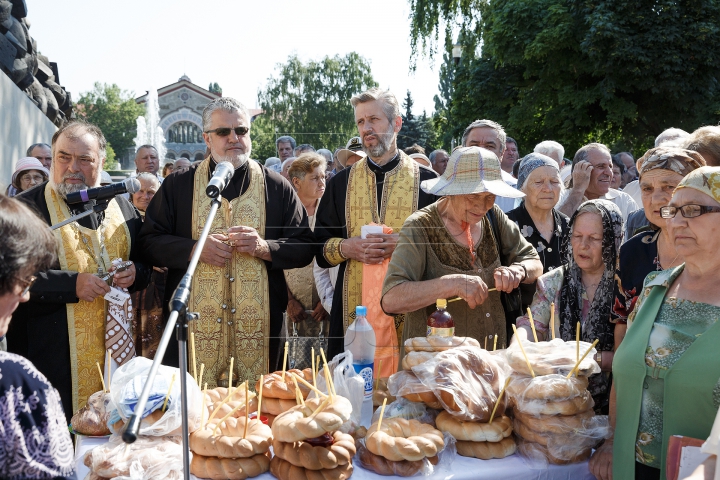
x=260, y=230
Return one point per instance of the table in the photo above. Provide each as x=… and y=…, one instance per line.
x=514, y=467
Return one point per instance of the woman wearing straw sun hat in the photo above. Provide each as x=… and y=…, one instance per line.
x=460, y=246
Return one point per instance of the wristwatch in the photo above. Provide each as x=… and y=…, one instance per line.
x=598, y=358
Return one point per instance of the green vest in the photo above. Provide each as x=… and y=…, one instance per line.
x=688, y=407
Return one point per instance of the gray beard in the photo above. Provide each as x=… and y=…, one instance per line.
x=384, y=142
x=64, y=189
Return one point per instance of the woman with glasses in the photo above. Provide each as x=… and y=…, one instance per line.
x=661, y=170
x=28, y=173
x=666, y=371
x=33, y=434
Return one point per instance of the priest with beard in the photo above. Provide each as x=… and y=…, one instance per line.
x=67, y=325
x=260, y=229
x=383, y=189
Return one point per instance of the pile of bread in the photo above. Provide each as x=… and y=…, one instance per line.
x=553, y=412
x=92, y=419
x=307, y=442
x=229, y=444
x=464, y=381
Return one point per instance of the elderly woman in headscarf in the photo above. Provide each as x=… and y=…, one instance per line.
x=28, y=173
x=539, y=222
x=583, y=289
x=661, y=169
x=666, y=374
x=460, y=246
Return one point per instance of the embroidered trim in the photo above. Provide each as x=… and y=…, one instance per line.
x=332, y=253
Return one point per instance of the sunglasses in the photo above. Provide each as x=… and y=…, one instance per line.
x=687, y=211
x=26, y=284
x=224, y=131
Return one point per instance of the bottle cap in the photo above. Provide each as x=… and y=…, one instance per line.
x=360, y=310
x=441, y=303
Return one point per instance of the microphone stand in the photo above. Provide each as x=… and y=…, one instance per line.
x=178, y=320
x=97, y=208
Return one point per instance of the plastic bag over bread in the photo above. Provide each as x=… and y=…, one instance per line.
x=466, y=381
x=554, y=357
x=92, y=419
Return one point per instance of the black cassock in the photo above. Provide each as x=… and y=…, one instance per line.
x=39, y=330
x=331, y=223
x=166, y=238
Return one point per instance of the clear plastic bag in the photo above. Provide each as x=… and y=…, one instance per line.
x=127, y=384
x=553, y=357
x=405, y=384
x=148, y=458
x=466, y=381
x=425, y=467
x=348, y=384
x=546, y=387
x=408, y=410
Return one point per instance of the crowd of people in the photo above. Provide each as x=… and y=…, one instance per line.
x=620, y=251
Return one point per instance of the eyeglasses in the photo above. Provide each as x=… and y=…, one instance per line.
x=26, y=284
x=687, y=211
x=32, y=178
x=224, y=131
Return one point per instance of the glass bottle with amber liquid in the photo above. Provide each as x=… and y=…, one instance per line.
x=440, y=322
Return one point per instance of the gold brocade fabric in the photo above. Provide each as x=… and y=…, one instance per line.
x=78, y=251
x=233, y=301
x=399, y=201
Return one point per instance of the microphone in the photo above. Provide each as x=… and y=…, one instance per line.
x=221, y=177
x=129, y=185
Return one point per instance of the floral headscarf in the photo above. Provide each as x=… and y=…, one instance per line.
x=705, y=180
x=675, y=159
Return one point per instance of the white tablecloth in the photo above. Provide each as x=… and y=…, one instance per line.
x=514, y=467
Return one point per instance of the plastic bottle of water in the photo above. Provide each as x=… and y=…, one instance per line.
x=360, y=340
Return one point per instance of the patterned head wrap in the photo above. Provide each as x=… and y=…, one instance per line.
x=532, y=161
x=675, y=159
x=705, y=180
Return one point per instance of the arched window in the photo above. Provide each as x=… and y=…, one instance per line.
x=199, y=156
x=184, y=132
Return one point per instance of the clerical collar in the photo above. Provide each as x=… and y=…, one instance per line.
x=392, y=163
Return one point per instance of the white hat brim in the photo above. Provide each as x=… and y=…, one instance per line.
x=344, y=154
x=441, y=187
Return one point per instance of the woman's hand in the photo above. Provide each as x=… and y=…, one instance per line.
x=508, y=279
x=601, y=461
x=295, y=310
x=319, y=312
x=471, y=289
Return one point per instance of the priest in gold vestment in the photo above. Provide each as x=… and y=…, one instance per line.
x=382, y=188
x=260, y=229
x=66, y=327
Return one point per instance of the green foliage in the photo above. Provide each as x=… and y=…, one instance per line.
x=311, y=101
x=110, y=161
x=575, y=71
x=415, y=130
x=215, y=88
x=114, y=111
x=262, y=133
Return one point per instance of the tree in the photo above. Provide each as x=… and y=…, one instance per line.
x=311, y=101
x=415, y=130
x=114, y=111
x=613, y=71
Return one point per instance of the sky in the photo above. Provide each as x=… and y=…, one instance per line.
x=140, y=45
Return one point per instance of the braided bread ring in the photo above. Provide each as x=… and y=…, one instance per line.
x=436, y=343
x=572, y=406
x=275, y=387
x=400, y=439
x=383, y=466
x=546, y=387
x=229, y=442
x=553, y=423
x=276, y=406
x=474, y=431
x=284, y=470
x=305, y=455
x=298, y=423
x=487, y=450
x=229, y=468
x=535, y=451
x=428, y=398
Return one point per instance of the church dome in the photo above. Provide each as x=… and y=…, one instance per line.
x=184, y=77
